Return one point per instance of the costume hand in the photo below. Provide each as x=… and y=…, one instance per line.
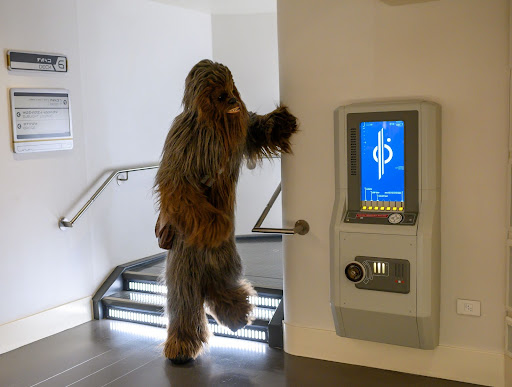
x=284, y=124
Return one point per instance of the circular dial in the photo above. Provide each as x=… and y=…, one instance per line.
x=355, y=272
x=395, y=218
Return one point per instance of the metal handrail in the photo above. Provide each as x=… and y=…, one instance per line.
x=64, y=223
x=301, y=226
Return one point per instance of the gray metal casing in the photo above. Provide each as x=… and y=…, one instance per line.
x=410, y=319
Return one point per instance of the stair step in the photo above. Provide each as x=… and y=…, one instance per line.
x=127, y=306
x=138, y=294
x=250, y=332
x=151, y=272
x=266, y=297
x=266, y=271
x=153, y=287
x=152, y=303
x=155, y=303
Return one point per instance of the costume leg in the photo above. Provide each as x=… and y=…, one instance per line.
x=226, y=291
x=187, y=329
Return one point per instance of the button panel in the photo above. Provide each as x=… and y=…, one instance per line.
x=385, y=274
x=367, y=217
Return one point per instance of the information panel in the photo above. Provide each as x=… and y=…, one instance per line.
x=41, y=120
x=382, y=161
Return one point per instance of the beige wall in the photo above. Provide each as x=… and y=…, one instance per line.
x=453, y=52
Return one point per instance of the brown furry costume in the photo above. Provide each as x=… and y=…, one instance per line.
x=196, y=185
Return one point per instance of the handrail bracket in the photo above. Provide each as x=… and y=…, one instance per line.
x=65, y=224
x=301, y=226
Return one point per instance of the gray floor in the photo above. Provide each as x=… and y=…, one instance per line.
x=115, y=353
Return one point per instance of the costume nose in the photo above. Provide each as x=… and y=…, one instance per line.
x=232, y=101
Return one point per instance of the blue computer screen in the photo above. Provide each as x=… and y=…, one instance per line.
x=382, y=161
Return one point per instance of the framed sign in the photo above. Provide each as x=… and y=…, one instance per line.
x=41, y=120
x=34, y=61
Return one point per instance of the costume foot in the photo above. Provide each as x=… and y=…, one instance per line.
x=181, y=359
x=181, y=350
x=232, y=307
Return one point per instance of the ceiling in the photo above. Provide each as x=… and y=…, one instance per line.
x=225, y=7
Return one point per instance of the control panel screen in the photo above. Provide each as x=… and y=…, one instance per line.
x=382, y=165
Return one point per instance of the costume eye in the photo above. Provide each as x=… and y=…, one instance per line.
x=223, y=96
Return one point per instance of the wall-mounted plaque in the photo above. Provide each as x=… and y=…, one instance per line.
x=41, y=120
x=34, y=61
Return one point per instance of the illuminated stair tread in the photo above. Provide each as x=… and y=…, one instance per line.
x=135, y=292
x=154, y=303
x=150, y=272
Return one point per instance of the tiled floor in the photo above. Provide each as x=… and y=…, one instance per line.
x=115, y=353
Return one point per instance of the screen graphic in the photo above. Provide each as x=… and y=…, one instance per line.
x=382, y=163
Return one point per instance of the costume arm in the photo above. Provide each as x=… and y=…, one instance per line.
x=270, y=134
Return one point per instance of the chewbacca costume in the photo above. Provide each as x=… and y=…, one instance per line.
x=196, y=184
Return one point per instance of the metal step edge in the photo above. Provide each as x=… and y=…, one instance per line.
x=275, y=328
x=137, y=276
x=114, y=281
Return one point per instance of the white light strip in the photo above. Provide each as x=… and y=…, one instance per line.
x=146, y=318
x=137, y=317
x=244, y=333
x=147, y=287
x=161, y=334
x=263, y=314
x=265, y=301
x=270, y=302
x=151, y=299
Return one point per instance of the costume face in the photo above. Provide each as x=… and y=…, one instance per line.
x=210, y=91
x=225, y=100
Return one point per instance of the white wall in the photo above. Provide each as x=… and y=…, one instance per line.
x=38, y=260
x=452, y=52
x=128, y=60
x=127, y=65
x=247, y=44
x=135, y=56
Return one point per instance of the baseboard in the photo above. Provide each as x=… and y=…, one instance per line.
x=460, y=364
x=24, y=331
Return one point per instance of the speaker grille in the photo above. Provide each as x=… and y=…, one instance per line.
x=354, y=165
x=399, y=270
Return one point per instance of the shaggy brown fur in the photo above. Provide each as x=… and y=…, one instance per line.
x=196, y=185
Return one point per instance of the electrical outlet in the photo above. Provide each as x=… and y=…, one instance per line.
x=468, y=307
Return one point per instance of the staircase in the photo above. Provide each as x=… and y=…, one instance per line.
x=134, y=292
